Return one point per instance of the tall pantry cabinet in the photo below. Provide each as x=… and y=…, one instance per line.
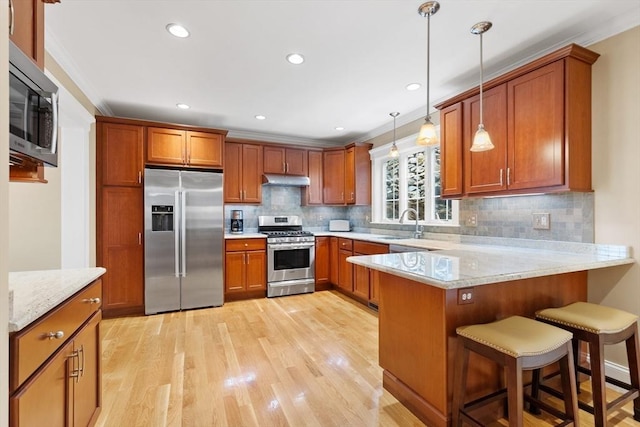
x=119, y=199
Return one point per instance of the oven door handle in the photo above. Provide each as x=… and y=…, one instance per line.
x=291, y=246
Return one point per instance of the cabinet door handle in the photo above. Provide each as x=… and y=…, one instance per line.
x=81, y=367
x=284, y=167
x=54, y=335
x=92, y=300
x=139, y=238
x=508, y=177
x=139, y=177
x=501, y=173
x=75, y=373
x=12, y=12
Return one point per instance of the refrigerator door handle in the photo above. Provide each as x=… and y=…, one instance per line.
x=176, y=244
x=183, y=233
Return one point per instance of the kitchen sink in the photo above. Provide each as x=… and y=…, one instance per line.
x=391, y=238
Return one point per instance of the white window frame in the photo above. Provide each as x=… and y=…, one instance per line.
x=379, y=156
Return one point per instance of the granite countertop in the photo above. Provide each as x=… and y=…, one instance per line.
x=466, y=265
x=34, y=293
x=388, y=239
x=245, y=236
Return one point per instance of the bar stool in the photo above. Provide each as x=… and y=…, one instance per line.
x=515, y=343
x=599, y=326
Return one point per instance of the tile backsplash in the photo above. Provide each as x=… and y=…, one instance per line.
x=571, y=215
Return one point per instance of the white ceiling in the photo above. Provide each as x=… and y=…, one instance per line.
x=359, y=54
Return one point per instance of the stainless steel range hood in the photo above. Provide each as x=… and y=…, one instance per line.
x=290, y=180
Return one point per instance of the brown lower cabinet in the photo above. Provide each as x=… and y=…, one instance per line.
x=364, y=279
x=356, y=281
x=345, y=268
x=245, y=272
x=322, y=266
x=65, y=389
x=121, y=250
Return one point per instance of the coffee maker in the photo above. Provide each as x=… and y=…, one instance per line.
x=236, y=221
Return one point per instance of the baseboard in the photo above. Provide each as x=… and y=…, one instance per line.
x=619, y=372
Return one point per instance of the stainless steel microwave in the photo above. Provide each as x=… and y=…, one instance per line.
x=33, y=110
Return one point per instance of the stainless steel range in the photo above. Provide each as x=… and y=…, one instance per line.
x=290, y=256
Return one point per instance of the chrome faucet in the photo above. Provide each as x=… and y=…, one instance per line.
x=418, y=233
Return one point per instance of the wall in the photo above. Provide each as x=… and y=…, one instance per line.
x=38, y=220
x=616, y=171
x=34, y=223
x=4, y=215
x=284, y=200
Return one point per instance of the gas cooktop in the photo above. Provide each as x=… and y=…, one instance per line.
x=283, y=227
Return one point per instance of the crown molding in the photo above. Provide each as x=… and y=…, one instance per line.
x=63, y=58
x=280, y=139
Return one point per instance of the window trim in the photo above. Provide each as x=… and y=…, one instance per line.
x=379, y=156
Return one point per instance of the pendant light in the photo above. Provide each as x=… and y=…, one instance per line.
x=394, y=149
x=481, y=140
x=428, y=136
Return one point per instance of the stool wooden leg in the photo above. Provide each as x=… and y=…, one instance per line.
x=568, y=374
x=633, y=358
x=459, y=383
x=514, y=391
x=575, y=343
x=598, y=384
x=535, y=392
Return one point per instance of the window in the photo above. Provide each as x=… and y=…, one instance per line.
x=410, y=181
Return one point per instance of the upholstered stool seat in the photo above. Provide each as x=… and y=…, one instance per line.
x=516, y=343
x=599, y=326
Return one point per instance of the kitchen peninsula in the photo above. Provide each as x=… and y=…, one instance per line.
x=425, y=296
x=54, y=347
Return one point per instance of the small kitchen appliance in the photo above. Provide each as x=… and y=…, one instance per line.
x=290, y=255
x=236, y=221
x=339, y=225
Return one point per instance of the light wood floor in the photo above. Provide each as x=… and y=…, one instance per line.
x=304, y=360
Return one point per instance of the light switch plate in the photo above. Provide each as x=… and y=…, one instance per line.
x=541, y=221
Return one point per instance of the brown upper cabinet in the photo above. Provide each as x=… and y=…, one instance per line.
x=121, y=157
x=347, y=175
x=539, y=119
x=26, y=28
x=451, y=150
x=288, y=161
x=312, y=195
x=243, y=173
x=333, y=179
x=176, y=147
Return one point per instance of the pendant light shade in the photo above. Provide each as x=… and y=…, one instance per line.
x=428, y=135
x=394, y=149
x=481, y=140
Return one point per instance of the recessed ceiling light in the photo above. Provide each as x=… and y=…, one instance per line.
x=177, y=30
x=339, y=128
x=261, y=117
x=182, y=106
x=295, y=58
x=413, y=86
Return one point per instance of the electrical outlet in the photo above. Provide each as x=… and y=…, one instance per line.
x=465, y=296
x=472, y=221
x=541, y=221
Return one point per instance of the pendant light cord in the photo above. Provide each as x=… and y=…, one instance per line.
x=394, y=128
x=428, y=55
x=481, y=81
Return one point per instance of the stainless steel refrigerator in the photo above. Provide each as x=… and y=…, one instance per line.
x=184, y=238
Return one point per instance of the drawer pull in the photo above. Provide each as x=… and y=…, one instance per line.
x=54, y=335
x=92, y=300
